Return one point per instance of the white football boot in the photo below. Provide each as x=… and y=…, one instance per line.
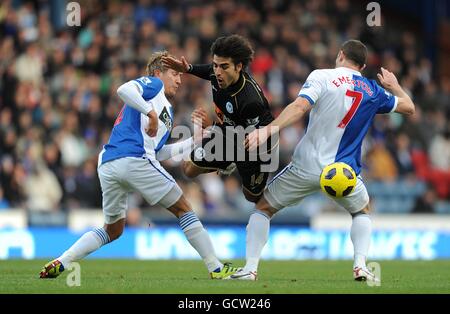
x=364, y=274
x=244, y=275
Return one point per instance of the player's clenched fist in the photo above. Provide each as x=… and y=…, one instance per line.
x=200, y=117
x=256, y=138
x=152, y=128
x=201, y=122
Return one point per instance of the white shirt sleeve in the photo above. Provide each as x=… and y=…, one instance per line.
x=313, y=87
x=131, y=94
x=176, y=149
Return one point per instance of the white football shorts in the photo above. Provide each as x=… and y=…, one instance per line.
x=292, y=185
x=121, y=176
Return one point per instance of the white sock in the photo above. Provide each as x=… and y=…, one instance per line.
x=200, y=240
x=88, y=243
x=360, y=235
x=257, y=236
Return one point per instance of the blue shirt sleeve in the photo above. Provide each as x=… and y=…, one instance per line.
x=150, y=85
x=386, y=101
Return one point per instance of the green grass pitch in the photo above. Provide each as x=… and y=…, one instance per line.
x=180, y=277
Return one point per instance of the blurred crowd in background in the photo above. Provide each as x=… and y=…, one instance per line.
x=58, y=97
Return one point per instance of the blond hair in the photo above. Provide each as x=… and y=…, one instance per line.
x=155, y=62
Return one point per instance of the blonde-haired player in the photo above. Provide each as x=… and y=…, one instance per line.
x=130, y=162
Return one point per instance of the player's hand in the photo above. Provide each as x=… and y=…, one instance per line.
x=200, y=117
x=256, y=138
x=200, y=134
x=201, y=123
x=175, y=64
x=388, y=79
x=152, y=128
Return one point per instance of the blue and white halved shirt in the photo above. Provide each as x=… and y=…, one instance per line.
x=344, y=106
x=128, y=137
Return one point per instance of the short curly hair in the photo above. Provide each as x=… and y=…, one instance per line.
x=236, y=47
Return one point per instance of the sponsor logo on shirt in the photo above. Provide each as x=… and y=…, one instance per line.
x=166, y=119
x=306, y=85
x=254, y=121
x=223, y=118
x=229, y=107
x=145, y=80
x=228, y=121
x=199, y=153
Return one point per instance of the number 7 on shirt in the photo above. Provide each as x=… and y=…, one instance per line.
x=357, y=98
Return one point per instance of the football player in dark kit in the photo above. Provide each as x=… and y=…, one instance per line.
x=239, y=102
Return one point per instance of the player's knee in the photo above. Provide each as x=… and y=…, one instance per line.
x=365, y=210
x=263, y=206
x=180, y=208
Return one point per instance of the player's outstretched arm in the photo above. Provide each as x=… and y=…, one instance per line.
x=181, y=66
x=390, y=82
x=292, y=113
x=180, y=148
x=183, y=148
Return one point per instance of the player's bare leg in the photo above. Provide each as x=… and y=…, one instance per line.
x=254, y=198
x=360, y=234
x=257, y=236
x=192, y=171
x=198, y=237
x=115, y=230
x=89, y=242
